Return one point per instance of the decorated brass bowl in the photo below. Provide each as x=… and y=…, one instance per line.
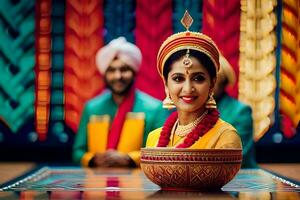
x=190, y=169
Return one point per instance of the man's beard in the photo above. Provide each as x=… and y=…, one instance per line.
x=119, y=93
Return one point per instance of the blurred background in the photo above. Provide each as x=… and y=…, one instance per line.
x=48, y=71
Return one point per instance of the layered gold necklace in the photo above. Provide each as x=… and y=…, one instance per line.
x=184, y=130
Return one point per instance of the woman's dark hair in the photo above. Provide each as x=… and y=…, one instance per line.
x=201, y=57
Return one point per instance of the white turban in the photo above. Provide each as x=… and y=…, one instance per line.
x=129, y=53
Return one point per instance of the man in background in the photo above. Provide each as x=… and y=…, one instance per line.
x=115, y=124
x=235, y=112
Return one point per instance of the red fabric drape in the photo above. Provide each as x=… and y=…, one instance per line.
x=221, y=21
x=117, y=124
x=153, y=26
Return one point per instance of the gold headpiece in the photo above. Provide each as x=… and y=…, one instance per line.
x=187, y=40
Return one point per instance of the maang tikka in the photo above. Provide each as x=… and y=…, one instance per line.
x=187, y=22
x=187, y=62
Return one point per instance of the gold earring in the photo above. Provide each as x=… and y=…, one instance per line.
x=168, y=103
x=211, y=103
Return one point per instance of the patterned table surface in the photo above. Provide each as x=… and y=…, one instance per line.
x=83, y=182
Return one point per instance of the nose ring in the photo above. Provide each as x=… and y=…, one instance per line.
x=193, y=89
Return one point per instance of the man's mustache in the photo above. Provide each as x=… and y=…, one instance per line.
x=118, y=81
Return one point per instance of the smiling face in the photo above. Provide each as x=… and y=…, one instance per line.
x=119, y=77
x=189, y=87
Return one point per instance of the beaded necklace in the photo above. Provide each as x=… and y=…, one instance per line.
x=208, y=121
x=183, y=130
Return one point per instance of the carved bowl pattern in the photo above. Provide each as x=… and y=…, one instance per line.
x=190, y=169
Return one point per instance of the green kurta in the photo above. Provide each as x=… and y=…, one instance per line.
x=104, y=104
x=239, y=116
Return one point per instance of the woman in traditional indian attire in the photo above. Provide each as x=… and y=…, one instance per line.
x=188, y=63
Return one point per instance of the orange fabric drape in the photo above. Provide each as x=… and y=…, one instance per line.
x=83, y=37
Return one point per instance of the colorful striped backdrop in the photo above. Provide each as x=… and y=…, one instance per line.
x=48, y=72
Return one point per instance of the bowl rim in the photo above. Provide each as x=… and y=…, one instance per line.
x=171, y=149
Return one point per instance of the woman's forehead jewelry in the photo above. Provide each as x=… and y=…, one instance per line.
x=187, y=62
x=187, y=21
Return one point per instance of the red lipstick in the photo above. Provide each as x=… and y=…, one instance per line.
x=188, y=99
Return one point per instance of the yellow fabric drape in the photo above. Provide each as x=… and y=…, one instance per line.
x=130, y=141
